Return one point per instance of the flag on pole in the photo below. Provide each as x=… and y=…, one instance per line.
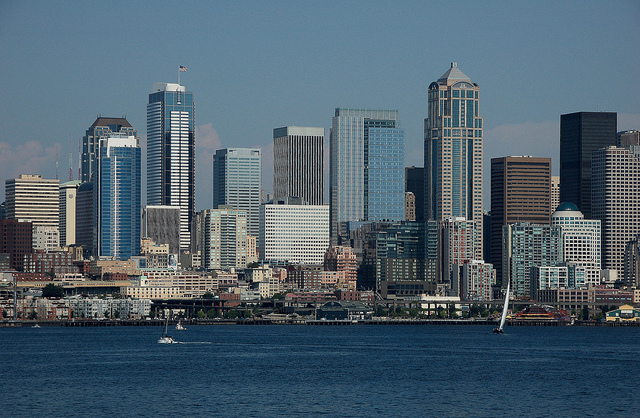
x=183, y=68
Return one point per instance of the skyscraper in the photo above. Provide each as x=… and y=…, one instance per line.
x=414, y=183
x=453, y=151
x=34, y=199
x=520, y=192
x=616, y=200
x=101, y=128
x=582, y=133
x=171, y=153
x=162, y=225
x=117, y=195
x=68, y=200
x=366, y=167
x=298, y=164
x=237, y=182
x=224, y=238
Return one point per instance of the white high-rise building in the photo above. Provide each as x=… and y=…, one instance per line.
x=224, y=238
x=298, y=163
x=171, y=153
x=68, y=199
x=615, y=200
x=290, y=231
x=458, y=238
x=580, y=240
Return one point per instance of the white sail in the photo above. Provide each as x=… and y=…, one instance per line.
x=506, y=306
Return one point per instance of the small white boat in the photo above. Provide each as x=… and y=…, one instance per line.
x=166, y=338
x=179, y=326
x=500, y=329
x=36, y=326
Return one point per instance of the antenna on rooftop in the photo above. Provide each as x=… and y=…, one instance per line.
x=70, y=158
x=56, y=164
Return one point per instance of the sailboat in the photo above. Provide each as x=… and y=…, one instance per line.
x=500, y=330
x=179, y=326
x=165, y=338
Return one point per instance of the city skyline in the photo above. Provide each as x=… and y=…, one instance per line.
x=239, y=104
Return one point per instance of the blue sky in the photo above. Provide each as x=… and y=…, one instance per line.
x=256, y=65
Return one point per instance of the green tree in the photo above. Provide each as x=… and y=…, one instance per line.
x=52, y=291
x=116, y=314
x=211, y=313
x=201, y=314
x=33, y=315
x=207, y=295
x=232, y=314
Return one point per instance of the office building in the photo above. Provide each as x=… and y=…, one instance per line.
x=580, y=240
x=298, y=163
x=366, y=174
x=616, y=201
x=520, y=192
x=68, y=201
x=458, y=241
x=555, y=192
x=117, y=198
x=16, y=240
x=224, y=238
x=84, y=218
x=453, y=151
x=632, y=263
x=102, y=128
x=409, y=206
x=628, y=138
x=414, y=183
x=162, y=225
x=526, y=245
x=237, y=182
x=34, y=199
x=476, y=279
x=294, y=232
x=582, y=133
x=171, y=153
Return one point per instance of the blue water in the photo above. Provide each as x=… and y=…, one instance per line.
x=258, y=371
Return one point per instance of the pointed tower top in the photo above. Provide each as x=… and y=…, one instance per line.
x=453, y=73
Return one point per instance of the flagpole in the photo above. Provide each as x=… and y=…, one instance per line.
x=178, y=75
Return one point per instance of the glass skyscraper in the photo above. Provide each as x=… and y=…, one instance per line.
x=237, y=182
x=581, y=134
x=453, y=151
x=171, y=153
x=117, y=198
x=366, y=173
x=101, y=128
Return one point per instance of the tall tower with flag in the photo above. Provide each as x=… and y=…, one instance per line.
x=171, y=152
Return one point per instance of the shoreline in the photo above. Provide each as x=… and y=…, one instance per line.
x=300, y=321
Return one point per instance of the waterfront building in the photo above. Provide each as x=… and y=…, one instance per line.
x=582, y=133
x=616, y=200
x=298, y=164
x=237, y=182
x=453, y=151
x=520, y=192
x=414, y=183
x=171, y=153
x=476, y=279
x=162, y=225
x=366, y=175
x=581, y=240
x=117, y=198
x=102, y=128
x=68, y=204
x=526, y=245
x=632, y=263
x=395, y=263
x=224, y=238
x=294, y=232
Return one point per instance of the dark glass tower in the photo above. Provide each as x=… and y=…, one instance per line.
x=582, y=133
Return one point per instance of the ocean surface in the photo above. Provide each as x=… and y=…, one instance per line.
x=349, y=371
